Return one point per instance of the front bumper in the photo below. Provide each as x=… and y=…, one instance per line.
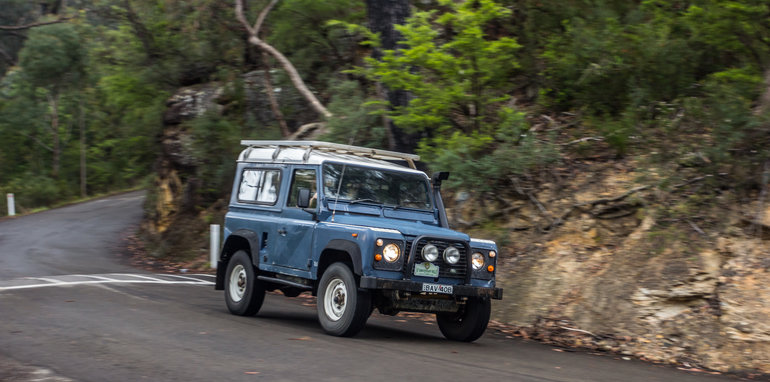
x=416, y=286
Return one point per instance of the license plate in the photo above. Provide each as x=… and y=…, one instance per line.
x=426, y=269
x=437, y=288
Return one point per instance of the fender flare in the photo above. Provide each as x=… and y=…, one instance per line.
x=250, y=236
x=351, y=248
x=235, y=240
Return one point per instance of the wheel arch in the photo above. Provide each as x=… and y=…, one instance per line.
x=239, y=240
x=339, y=251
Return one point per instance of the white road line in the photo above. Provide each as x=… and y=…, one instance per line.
x=52, y=281
x=97, y=277
x=138, y=279
x=137, y=276
x=188, y=278
x=203, y=274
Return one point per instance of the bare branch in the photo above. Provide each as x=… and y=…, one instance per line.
x=696, y=228
x=239, y=15
x=262, y=16
x=33, y=25
x=581, y=140
x=615, y=199
x=691, y=181
x=294, y=76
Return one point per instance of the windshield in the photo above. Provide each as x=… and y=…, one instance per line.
x=375, y=186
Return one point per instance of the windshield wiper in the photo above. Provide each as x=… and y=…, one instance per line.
x=372, y=201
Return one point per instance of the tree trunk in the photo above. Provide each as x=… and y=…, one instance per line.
x=764, y=101
x=82, y=123
x=383, y=15
x=56, y=147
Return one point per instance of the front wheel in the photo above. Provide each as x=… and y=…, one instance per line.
x=342, y=308
x=244, y=294
x=468, y=324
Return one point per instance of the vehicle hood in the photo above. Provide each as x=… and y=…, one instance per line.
x=408, y=228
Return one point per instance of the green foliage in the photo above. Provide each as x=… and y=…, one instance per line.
x=458, y=74
x=486, y=162
x=32, y=190
x=605, y=66
x=300, y=29
x=215, y=144
x=357, y=120
x=53, y=56
x=682, y=79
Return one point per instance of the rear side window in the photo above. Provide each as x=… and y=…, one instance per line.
x=259, y=186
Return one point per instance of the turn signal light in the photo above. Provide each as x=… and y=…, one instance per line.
x=378, y=257
x=491, y=268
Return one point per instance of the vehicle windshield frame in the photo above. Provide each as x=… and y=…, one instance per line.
x=330, y=190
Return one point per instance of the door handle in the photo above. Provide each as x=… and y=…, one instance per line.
x=282, y=232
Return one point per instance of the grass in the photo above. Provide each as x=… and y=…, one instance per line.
x=69, y=202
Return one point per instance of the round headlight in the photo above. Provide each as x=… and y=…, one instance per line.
x=391, y=253
x=430, y=252
x=451, y=255
x=477, y=259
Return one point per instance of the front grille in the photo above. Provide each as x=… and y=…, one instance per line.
x=458, y=270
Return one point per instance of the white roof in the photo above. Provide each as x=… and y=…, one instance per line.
x=314, y=152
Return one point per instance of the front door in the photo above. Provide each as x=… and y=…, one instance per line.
x=296, y=228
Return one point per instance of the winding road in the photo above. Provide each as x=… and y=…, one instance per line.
x=71, y=309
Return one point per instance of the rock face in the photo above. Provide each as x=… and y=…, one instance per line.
x=177, y=219
x=623, y=276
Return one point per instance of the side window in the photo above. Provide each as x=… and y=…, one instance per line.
x=259, y=186
x=303, y=178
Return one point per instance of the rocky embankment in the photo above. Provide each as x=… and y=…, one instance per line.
x=603, y=261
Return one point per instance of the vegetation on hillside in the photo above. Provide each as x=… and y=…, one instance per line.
x=499, y=91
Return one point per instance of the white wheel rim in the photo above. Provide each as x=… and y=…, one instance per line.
x=335, y=299
x=238, y=282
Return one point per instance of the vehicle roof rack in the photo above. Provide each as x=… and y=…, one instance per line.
x=310, y=146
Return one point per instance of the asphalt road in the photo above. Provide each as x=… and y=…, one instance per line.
x=71, y=310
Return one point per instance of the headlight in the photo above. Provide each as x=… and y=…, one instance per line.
x=477, y=259
x=430, y=253
x=391, y=253
x=451, y=255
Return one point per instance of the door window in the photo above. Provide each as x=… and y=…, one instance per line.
x=303, y=178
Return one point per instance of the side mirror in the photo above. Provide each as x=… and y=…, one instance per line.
x=439, y=177
x=303, y=198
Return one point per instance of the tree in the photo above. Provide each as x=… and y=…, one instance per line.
x=383, y=16
x=458, y=69
x=458, y=73
x=53, y=60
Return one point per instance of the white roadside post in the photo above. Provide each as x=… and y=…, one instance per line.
x=11, y=205
x=214, y=244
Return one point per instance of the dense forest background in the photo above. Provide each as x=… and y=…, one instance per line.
x=618, y=152
x=496, y=92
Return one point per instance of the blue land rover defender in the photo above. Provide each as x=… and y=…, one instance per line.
x=356, y=229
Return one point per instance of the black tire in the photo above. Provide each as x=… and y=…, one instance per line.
x=244, y=294
x=342, y=308
x=467, y=325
